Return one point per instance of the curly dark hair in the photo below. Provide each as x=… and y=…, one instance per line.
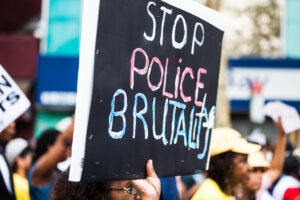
x=221, y=168
x=67, y=190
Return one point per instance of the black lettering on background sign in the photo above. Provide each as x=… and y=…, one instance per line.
x=9, y=100
x=2, y=106
x=3, y=83
x=7, y=97
x=12, y=98
x=154, y=92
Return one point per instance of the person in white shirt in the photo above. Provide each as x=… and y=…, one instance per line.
x=6, y=182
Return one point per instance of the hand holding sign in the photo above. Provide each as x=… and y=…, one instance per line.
x=149, y=188
x=13, y=102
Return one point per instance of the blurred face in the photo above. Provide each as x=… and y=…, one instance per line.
x=25, y=162
x=241, y=169
x=7, y=134
x=119, y=194
x=255, y=180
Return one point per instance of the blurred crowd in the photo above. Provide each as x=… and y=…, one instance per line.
x=239, y=168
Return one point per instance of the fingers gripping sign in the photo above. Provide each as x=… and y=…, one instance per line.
x=148, y=188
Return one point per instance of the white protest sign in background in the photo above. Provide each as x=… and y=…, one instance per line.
x=290, y=118
x=13, y=102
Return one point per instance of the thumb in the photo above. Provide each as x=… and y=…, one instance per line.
x=150, y=169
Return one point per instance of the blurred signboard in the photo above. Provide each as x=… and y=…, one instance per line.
x=48, y=119
x=292, y=29
x=279, y=78
x=60, y=27
x=57, y=81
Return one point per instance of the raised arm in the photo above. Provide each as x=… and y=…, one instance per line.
x=46, y=164
x=276, y=167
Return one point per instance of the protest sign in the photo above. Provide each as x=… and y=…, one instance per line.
x=147, y=84
x=290, y=118
x=13, y=102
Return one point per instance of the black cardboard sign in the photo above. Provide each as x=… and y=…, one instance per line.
x=155, y=77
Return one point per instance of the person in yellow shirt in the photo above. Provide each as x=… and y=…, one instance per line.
x=228, y=165
x=19, y=156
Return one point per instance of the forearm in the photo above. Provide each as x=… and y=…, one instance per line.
x=47, y=163
x=278, y=158
x=68, y=133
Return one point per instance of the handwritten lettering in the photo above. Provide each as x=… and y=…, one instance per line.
x=183, y=116
x=198, y=35
x=178, y=126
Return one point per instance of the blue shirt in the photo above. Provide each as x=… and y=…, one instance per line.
x=40, y=192
x=168, y=189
